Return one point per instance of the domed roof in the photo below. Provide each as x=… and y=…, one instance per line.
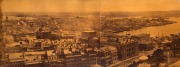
x=143, y=57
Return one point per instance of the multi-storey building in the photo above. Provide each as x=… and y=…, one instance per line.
x=127, y=47
x=108, y=55
x=175, y=47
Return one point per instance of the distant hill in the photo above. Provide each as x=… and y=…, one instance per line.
x=48, y=13
x=175, y=13
x=145, y=13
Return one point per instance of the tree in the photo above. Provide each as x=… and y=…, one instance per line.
x=157, y=57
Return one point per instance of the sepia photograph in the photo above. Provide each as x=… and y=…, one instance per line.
x=89, y=33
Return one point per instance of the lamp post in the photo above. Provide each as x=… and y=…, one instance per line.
x=143, y=58
x=96, y=65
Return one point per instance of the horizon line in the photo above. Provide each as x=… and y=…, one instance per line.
x=91, y=11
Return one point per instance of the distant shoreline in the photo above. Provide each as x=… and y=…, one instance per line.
x=168, y=22
x=148, y=26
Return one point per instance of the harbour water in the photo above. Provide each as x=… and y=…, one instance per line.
x=164, y=30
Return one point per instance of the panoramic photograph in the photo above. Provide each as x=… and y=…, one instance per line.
x=89, y=33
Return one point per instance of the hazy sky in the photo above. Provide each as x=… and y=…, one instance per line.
x=88, y=5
